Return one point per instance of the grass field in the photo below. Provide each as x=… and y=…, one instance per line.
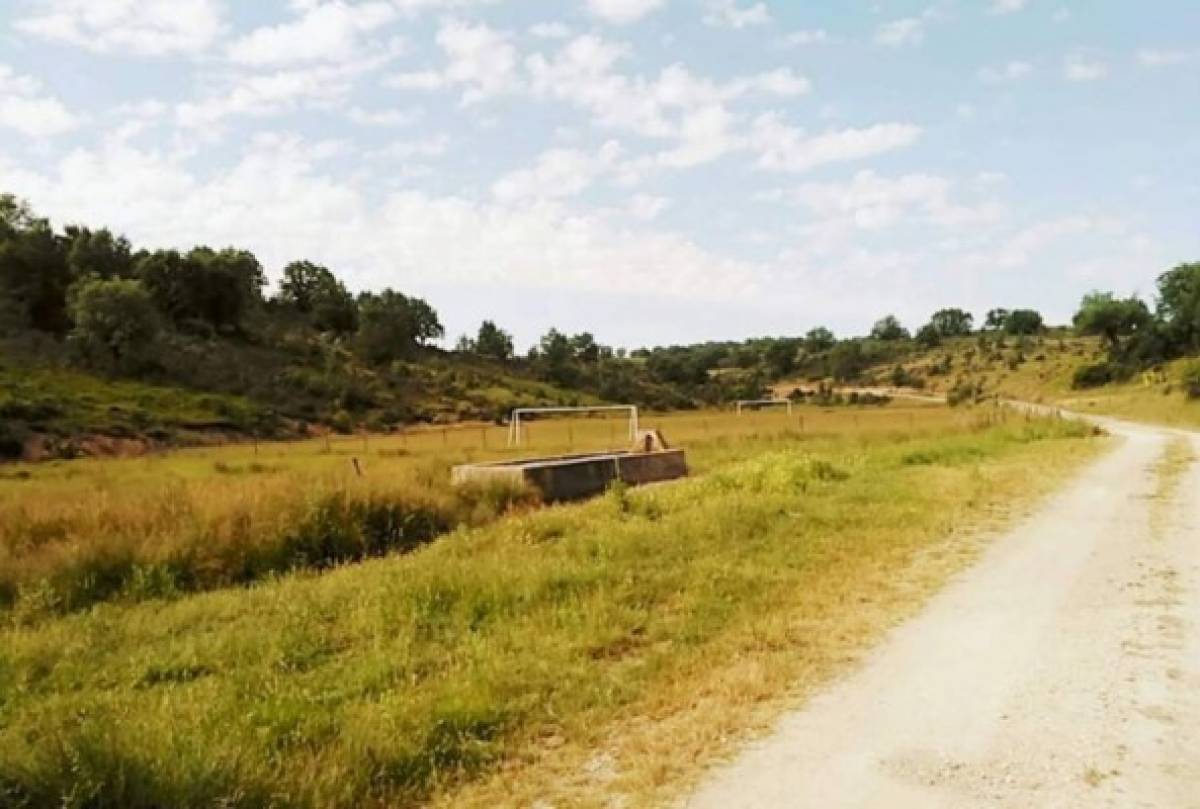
x=75, y=533
x=565, y=654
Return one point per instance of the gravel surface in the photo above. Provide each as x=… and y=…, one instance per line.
x=1062, y=670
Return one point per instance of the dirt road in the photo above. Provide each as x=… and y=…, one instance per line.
x=1063, y=670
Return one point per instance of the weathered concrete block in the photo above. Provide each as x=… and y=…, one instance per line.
x=574, y=477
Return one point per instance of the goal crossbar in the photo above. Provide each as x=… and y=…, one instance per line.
x=756, y=403
x=514, y=424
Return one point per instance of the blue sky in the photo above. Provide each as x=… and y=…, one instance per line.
x=654, y=171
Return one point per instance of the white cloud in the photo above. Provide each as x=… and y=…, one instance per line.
x=1011, y=71
x=1062, y=15
x=325, y=31
x=785, y=148
x=621, y=12
x=419, y=80
x=364, y=117
x=142, y=27
x=675, y=105
x=728, y=14
x=1007, y=6
x=1078, y=67
x=265, y=94
x=479, y=59
x=1151, y=57
x=870, y=202
x=432, y=146
x=647, y=207
x=898, y=33
x=550, y=30
x=781, y=82
x=797, y=39
x=24, y=108
x=557, y=174
x=280, y=200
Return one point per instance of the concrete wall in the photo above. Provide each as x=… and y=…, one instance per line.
x=578, y=477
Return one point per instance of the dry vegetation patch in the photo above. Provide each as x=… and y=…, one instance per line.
x=563, y=654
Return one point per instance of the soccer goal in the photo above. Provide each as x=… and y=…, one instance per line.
x=758, y=404
x=522, y=414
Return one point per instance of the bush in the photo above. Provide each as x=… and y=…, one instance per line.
x=965, y=392
x=1093, y=376
x=1191, y=379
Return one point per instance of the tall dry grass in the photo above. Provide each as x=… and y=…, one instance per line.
x=394, y=681
x=73, y=534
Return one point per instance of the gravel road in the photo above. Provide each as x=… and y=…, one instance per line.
x=1062, y=670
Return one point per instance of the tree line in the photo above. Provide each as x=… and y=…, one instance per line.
x=1137, y=336
x=136, y=312
x=111, y=303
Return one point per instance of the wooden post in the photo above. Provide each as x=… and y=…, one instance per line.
x=445, y=436
x=357, y=469
x=483, y=436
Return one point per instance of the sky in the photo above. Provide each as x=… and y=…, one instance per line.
x=652, y=171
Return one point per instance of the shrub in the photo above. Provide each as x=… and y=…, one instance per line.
x=1191, y=379
x=1093, y=376
x=965, y=392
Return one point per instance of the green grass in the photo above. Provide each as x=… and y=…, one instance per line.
x=67, y=407
x=76, y=533
x=51, y=410
x=407, y=679
x=1043, y=371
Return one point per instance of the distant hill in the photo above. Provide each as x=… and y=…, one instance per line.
x=1047, y=369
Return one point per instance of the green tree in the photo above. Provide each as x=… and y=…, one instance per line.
x=928, y=336
x=1023, y=322
x=315, y=292
x=952, y=322
x=996, y=320
x=115, y=321
x=846, y=360
x=392, y=325
x=585, y=348
x=1112, y=318
x=217, y=289
x=34, y=276
x=1179, y=306
x=780, y=357
x=819, y=339
x=98, y=252
x=888, y=328
x=493, y=342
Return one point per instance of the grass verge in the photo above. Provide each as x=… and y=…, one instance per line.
x=480, y=669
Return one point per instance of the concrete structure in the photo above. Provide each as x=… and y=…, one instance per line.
x=574, y=477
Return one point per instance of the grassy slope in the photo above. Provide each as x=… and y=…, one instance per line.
x=1045, y=374
x=524, y=643
x=70, y=409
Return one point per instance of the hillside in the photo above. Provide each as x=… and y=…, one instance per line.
x=51, y=409
x=1044, y=369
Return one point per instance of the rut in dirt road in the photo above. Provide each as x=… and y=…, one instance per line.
x=1062, y=670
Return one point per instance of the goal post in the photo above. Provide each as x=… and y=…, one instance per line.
x=514, y=423
x=758, y=404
